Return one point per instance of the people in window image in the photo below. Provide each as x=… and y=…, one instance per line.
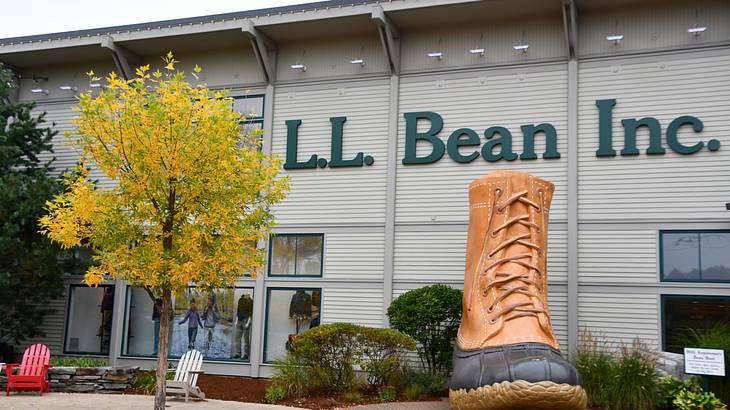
x=300, y=307
x=242, y=335
x=211, y=316
x=193, y=319
x=156, y=322
x=107, y=308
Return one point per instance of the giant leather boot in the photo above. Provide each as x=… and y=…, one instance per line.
x=506, y=355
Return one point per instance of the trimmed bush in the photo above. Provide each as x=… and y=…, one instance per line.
x=431, y=316
x=330, y=352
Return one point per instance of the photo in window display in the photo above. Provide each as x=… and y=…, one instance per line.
x=216, y=323
x=290, y=312
x=90, y=315
x=143, y=324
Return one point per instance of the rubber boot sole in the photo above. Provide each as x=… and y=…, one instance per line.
x=520, y=395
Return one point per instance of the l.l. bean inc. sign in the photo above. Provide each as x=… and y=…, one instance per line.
x=464, y=145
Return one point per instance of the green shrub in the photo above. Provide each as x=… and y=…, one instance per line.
x=716, y=336
x=387, y=393
x=274, y=393
x=413, y=392
x=68, y=361
x=685, y=395
x=431, y=316
x=383, y=355
x=432, y=384
x=622, y=380
x=697, y=400
x=352, y=397
x=293, y=374
x=330, y=352
x=669, y=387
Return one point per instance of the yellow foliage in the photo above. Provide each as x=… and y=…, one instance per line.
x=192, y=195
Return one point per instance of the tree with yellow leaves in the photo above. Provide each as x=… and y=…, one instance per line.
x=192, y=195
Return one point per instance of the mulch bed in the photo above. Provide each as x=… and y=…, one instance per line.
x=245, y=389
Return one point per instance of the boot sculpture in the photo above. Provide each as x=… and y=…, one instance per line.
x=506, y=355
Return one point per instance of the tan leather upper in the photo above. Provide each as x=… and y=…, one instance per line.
x=505, y=280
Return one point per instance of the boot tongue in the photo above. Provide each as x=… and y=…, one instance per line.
x=524, y=324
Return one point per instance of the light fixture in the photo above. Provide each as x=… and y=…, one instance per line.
x=359, y=61
x=436, y=54
x=521, y=47
x=39, y=91
x=696, y=30
x=615, y=38
x=95, y=85
x=67, y=88
x=477, y=51
x=298, y=66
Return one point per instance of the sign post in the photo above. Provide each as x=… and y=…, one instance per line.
x=704, y=362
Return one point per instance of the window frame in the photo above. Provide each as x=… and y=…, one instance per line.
x=66, y=321
x=124, y=355
x=294, y=275
x=664, y=297
x=699, y=232
x=264, y=348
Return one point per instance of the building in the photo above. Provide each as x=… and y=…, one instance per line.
x=622, y=104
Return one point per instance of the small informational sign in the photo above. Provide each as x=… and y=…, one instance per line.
x=706, y=362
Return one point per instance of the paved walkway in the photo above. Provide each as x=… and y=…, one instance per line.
x=70, y=401
x=77, y=401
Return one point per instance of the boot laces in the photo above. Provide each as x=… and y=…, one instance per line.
x=506, y=283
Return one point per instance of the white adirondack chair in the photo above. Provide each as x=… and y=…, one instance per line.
x=186, y=376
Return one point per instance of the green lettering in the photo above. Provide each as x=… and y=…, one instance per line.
x=336, y=160
x=456, y=141
x=413, y=136
x=292, y=136
x=528, y=142
x=672, y=139
x=605, y=117
x=504, y=141
x=655, y=136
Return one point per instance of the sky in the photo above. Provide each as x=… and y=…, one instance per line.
x=29, y=17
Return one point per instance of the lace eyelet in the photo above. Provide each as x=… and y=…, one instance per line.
x=500, y=209
x=492, y=321
x=490, y=309
x=541, y=193
x=493, y=234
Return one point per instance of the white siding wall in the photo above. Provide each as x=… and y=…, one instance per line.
x=618, y=257
x=558, y=306
x=52, y=327
x=340, y=195
x=362, y=306
x=620, y=317
x=354, y=255
x=478, y=100
x=658, y=187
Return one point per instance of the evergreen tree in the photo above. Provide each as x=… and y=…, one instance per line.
x=30, y=265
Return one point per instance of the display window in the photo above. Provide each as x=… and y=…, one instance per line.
x=695, y=256
x=217, y=323
x=289, y=311
x=252, y=106
x=296, y=255
x=683, y=316
x=89, y=319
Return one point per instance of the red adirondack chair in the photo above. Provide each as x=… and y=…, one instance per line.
x=33, y=370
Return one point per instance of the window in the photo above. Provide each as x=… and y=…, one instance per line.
x=695, y=256
x=89, y=319
x=683, y=315
x=222, y=333
x=296, y=255
x=289, y=311
x=252, y=106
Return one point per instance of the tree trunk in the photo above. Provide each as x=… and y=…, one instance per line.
x=162, y=349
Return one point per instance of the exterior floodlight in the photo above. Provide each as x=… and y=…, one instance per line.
x=615, y=38
x=521, y=47
x=95, y=85
x=436, y=54
x=39, y=91
x=298, y=66
x=67, y=88
x=477, y=51
x=696, y=30
x=359, y=61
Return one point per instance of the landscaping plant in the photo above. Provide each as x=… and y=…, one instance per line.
x=274, y=393
x=192, y=196
x=675, y=394
x=293, y=374
x=387, y=393
x=353, y=397
x=431, y=316
x=69, y=361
